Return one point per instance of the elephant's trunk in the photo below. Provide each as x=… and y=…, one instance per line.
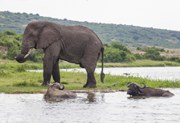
x=25, y=52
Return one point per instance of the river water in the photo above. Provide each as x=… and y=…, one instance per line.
x=97, y=107
x=155, y=73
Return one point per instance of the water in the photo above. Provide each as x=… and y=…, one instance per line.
x=155, y=73
x=90, y=108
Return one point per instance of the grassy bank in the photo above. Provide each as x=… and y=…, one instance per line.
x=26, y=82
x=15, y=79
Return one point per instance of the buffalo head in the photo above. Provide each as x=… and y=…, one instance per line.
x=134, y=89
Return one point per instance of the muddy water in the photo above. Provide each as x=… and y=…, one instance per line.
x=90, y=108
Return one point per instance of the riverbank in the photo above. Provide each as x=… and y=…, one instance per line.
x=30, y=82
x=15, y=79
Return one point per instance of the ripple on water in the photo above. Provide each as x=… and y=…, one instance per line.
x=95, y=107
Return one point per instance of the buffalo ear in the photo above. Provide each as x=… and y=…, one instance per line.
x=47, y=36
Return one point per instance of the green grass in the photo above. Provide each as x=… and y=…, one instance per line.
x=15, y=79
x=27, y=82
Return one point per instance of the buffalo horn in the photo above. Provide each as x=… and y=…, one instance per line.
x=144, y=85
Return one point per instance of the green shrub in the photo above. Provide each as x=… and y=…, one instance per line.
x=175, y=59
x=139, y=56
x=153, y=54
x=116, y=52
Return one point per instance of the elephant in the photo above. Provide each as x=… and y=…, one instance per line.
x=56, y=92
x=136, y=90
x=74, y=44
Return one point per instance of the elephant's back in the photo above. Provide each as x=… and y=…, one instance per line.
x=82, y=30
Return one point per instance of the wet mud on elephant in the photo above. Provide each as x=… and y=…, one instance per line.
x=56, y=92
x=75, y=44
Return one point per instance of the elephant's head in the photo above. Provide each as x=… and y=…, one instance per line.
x=57, y=85
x=37, y=35
x=134, y=89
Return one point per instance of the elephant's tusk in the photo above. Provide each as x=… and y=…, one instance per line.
x=29, y=52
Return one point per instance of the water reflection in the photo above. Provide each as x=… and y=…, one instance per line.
x=137, y=97
x=91, y=97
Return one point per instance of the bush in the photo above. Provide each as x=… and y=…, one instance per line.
x=175, y=59
x=116, y=52
x=36, y=56
x=112, y=55
x=8, y=32
x=139, y=56
x=153, y=54
x=119, y=46
x=130, y=58
x=12, y=41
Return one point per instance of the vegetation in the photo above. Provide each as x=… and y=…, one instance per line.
x=152, y=53
x=15, y=79
x=12, y=42
x=128, y=35
x=116, y=52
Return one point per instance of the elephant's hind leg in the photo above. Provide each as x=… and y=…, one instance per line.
x=90, y=68
x=91, y=82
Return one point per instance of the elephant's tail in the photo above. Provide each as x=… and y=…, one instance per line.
x=102, y=60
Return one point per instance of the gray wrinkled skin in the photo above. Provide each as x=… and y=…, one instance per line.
x=75, y=44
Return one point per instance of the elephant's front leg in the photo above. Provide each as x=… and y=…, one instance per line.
x=50, y=64
x=55, y=72
x=47, y=67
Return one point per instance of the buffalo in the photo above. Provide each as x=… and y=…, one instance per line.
x=56, y=92
x=136, y=90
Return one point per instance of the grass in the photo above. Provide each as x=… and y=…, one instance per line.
x=27, y=82
x=15, y=79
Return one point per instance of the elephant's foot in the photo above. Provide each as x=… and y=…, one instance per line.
x=89, y=85
x=45, y=84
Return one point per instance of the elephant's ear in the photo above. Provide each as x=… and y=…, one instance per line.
x=47, y=36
